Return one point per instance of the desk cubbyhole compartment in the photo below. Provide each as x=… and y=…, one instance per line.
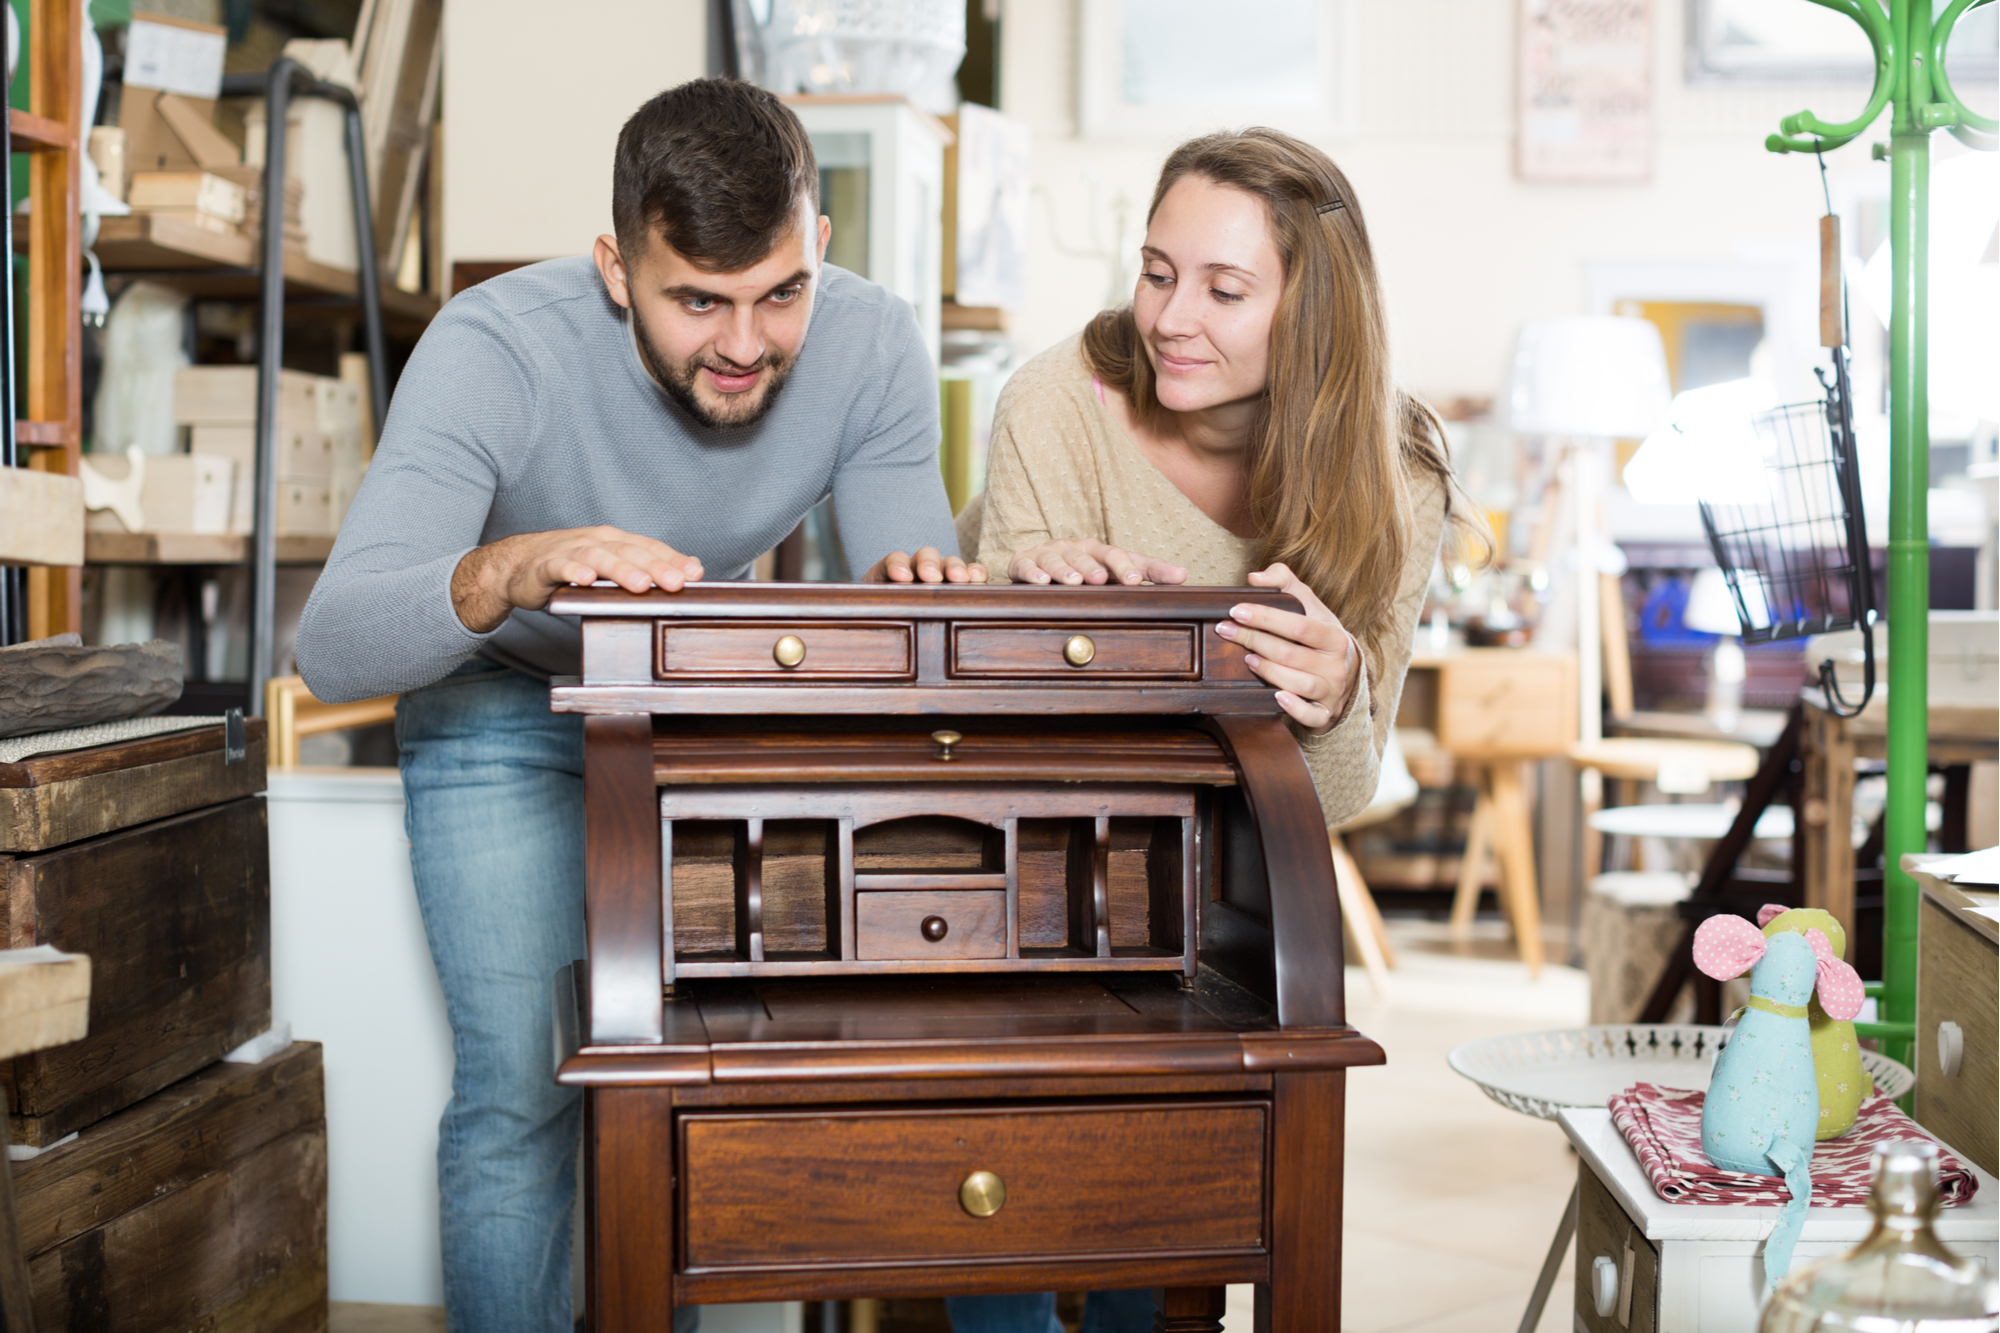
x=1140, y=862
x=755, y=888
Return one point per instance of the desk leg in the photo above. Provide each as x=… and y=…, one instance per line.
x=1188, y=1310
x=629, y=1210
x=1309, y=1112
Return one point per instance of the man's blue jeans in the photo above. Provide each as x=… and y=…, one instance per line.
x=494, y=788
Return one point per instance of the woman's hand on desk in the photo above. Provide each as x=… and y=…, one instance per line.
x=1310, y=658
x=1089, y=561
x=926, y=566
x=526, y=570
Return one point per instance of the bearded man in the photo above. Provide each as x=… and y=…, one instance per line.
x=671, y=406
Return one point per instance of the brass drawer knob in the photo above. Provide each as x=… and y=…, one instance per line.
x=789, y=651
x=945, y=740
x=982, y=1194
x=935, y=928
x=1079, y=650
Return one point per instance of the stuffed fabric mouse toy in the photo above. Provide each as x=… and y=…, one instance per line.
x=1843, y=1083
x=1761, y=1115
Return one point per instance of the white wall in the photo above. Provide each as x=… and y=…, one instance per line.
x=1466, y=251
x=534, y=95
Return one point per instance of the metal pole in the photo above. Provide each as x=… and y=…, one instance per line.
x=270, y=354
x=1909, y=525
x=13, y=586
x=368, y=279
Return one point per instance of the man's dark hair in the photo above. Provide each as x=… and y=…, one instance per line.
x=718, y=166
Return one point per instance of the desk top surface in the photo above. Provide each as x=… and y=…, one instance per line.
x=931, y=1027
x=1598, y=1141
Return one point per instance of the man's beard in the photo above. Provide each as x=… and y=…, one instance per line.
x=679, y=381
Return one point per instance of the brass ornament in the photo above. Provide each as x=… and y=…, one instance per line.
x=1079, y=650
x=935, y=928
x=945, y=740
x=789, y=651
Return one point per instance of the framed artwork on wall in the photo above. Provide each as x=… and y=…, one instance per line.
x=1585, y=88
x=1778, y=42
x=1167, y=68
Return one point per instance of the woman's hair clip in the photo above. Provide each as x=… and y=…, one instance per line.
x=1336, y=203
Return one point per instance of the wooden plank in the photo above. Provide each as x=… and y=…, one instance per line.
x=41, y=518
x=42, y=434
x=176, y=918
x=187, y=548
x=39, y=134
x=195, y=1127
x=44, y=1002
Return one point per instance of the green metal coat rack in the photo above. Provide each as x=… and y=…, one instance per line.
x=1909, y=38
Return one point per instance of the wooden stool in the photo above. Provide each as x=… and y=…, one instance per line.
x=1500, y=824
x=1678, y=767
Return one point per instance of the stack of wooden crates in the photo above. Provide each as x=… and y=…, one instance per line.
x=171, y=1190
x=318, y=450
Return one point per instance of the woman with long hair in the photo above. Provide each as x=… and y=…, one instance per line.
x=1239, y=423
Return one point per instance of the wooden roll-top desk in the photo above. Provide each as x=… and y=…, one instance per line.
x=950, y=940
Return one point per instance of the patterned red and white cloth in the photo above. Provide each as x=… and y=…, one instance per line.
x=1663, y=1125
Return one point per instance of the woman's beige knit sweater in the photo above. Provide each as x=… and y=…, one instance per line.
x=1061, y=466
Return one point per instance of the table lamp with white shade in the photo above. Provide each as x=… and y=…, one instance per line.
x=1711, y=609
x=1589, y=377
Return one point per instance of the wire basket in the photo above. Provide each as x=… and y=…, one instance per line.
x=1796, y=553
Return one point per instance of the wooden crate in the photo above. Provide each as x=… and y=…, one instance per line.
x=202, y=1207
x=51, y=799
x=176, y=918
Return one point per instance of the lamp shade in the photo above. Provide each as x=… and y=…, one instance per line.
x=1711, y=607
x=1588, y=375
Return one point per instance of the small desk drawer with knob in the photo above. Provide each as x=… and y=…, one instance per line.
x=886, y=1186
x=753, y=650
x=1066, y=652
x=956, y=923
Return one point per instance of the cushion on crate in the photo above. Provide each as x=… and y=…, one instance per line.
x=1663, y=1127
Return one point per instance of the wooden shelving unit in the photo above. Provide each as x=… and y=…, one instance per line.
x=208, y=263
x=50, y=400
x=193, y=548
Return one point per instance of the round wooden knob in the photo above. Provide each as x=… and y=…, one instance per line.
x=935, y=928
x=789, y=651
x=982, y=1194
x=945, y=740
x=1079, y=650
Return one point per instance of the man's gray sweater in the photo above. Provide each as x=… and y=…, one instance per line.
x=525, y=408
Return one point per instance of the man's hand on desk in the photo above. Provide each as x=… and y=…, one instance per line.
x=526, y=570
x=926, y=566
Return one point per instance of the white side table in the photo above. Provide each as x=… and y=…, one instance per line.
x=1698, y=1268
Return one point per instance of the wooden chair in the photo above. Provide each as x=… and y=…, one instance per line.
x=1394, y=792
x=294, y=712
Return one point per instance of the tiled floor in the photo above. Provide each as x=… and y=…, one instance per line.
x=1451, y=1198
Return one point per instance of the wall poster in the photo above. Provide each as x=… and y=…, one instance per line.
x=1585, y=112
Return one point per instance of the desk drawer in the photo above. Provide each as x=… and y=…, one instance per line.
x=737, y=649
x=1065, y=652
x=884, y=1186
x=959, y=923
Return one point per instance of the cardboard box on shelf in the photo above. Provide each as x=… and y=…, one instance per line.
x=179, y=493
x=227, y=396
x=305, y=510
x=201, y=192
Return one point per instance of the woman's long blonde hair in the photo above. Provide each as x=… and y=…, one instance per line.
x=1336, y=444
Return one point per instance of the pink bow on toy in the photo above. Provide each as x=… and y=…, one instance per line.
x=1729, y=946
x=1770, y=912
